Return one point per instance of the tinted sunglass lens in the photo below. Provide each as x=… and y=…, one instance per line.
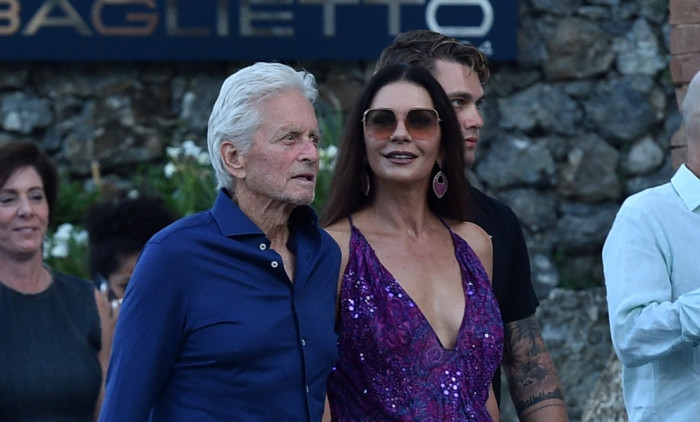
x=380, y=123
x=421, y=118
x=422, y=122
x=382, y=118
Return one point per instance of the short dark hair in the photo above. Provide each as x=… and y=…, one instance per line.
x=16, y=155
x=346, y=197
x=121, y=227
x=424, y=47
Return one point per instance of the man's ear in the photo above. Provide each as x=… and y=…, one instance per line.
x=233, y=159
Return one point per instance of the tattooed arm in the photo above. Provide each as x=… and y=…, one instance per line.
x=532, y=378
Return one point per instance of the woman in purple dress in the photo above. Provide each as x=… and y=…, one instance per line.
x=420, y=334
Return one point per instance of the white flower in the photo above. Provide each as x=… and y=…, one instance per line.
x=59, y=250
x=331, y=151
x=191, y=149
x=169, y=170
x=80, y=237
x=59, y=245
x=203, y=158
x=172, y=152
x=327, y=157
x=59, y=242
x=63, y=233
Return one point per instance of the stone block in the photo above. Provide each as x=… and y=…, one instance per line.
x=684, y=67
x=685, y=39
x=684, y=11
x=606, y=402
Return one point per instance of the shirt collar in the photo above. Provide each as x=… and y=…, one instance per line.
x=687, y=185
x=234, y=222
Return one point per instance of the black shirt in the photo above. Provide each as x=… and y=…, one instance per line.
x=511, y=263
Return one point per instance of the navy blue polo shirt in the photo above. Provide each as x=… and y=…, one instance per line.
x=212, y=329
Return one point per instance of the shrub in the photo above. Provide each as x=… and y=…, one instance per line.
x=185, y=182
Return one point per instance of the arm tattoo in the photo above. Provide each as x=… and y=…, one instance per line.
x=532, y=378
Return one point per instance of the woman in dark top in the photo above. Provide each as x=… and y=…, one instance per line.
x=53, y=327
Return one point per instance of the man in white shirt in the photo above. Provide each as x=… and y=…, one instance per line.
x=652, y=274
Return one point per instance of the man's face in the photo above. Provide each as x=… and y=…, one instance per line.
x=282, y=162
x=466, y=94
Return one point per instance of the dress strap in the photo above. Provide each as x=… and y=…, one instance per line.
x=445, y=224
x=352, y=224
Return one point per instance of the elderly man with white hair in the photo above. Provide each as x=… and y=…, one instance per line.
x=229, y=315
x=651, y=261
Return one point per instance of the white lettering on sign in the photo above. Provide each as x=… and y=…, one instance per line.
x=44, y=17
x=256, y=18
x=460, y=31
x=247, y=16
x=329, y=13
x=9, y=17
x=149, y=21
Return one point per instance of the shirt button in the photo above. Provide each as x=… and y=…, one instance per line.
x=274, y=264
x=303, y=342
x=307, y=389
x=263, y=246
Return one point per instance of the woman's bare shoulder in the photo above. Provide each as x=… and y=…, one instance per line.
x=478, y=240
x=472, y=233
x=340, y=232
x=339, y=228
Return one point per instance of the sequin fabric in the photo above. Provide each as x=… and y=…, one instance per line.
x=392, y=366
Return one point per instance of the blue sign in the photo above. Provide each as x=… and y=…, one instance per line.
x=159, y=30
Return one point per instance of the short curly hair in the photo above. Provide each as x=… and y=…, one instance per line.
x=121, y=227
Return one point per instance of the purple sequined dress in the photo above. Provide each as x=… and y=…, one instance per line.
x=392, y=366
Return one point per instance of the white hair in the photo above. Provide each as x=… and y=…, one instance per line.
x=690, y=109
x=236, y=116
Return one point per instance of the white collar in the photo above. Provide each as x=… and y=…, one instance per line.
x=687, y=185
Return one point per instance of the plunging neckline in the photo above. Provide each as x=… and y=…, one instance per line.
x=409, y=299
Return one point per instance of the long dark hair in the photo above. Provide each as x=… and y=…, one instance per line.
x=346, y=197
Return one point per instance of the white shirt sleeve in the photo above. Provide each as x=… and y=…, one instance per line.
x=645, y=321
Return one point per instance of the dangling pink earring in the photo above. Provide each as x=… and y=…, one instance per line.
x=364, y=182
x=439, y=183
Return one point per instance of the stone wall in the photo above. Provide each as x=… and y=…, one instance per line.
x=684, y=43
x=580, y=121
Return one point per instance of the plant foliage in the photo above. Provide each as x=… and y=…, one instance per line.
x=185, y=181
